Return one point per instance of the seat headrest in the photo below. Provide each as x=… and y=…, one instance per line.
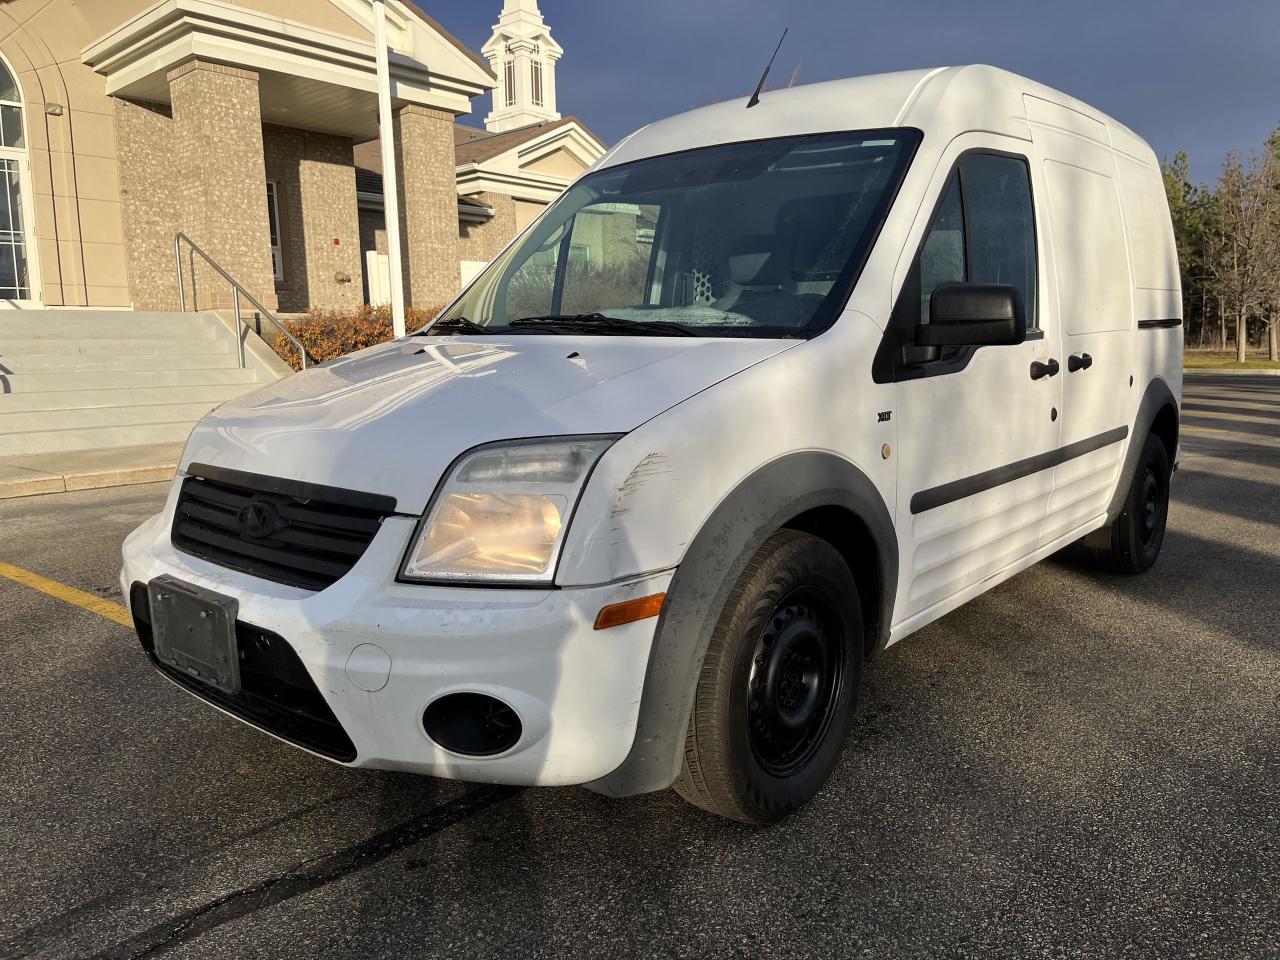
x=754, y=262
x=807, y=227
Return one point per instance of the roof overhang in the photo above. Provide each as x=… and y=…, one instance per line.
x=468, y=212
x=309, y=78
x=507, y=172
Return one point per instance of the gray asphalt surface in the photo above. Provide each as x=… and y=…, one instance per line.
x=1073, y=765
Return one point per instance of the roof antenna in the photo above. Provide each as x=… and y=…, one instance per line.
x=755, y=97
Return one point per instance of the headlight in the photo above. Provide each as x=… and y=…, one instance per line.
x=502, y=512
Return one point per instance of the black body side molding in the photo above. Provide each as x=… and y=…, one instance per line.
x=968, y=486
x=1158, y=324
x=757, y=507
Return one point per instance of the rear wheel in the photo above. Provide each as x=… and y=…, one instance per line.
x=1131, y=543
x=778, y=685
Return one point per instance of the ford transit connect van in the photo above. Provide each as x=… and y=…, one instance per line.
x=767, y=390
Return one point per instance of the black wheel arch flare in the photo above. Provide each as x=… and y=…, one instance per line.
x=1156, y=398
x=763, y=503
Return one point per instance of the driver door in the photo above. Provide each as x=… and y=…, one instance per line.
x=975, y=423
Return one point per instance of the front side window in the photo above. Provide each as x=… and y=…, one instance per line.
x=1002, y=228
x=942, y=258
x=757, y=239
x=983, y=231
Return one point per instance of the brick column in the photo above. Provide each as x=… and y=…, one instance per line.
x=327, y=182
x=149, y=192
x=222, y=181
x=315, y=180
x=429, y=205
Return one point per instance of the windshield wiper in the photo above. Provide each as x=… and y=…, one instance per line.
x=601, y=322
x=455, y=325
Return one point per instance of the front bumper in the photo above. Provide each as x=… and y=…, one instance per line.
x=379, y=652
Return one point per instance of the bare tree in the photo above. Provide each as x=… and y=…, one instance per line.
x=1244, y=247
x=1272, y=317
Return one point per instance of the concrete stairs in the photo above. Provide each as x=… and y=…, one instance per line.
x=75, y=380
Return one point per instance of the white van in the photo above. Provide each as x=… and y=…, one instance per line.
x=767, y=390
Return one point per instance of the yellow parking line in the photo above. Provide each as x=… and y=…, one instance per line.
x=86, y=601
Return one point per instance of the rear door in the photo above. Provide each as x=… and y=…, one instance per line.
x=972, y=421
x=1095, y=290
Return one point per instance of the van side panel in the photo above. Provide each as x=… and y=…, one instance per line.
x=1157, y=285
x=1157, y=294
x=1090, y=245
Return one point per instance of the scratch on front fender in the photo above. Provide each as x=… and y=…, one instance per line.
x=650, y=467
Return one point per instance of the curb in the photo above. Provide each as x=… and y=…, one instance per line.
x=41, y=483
x=35, y=475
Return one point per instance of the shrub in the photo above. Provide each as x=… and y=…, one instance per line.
x=327, y=334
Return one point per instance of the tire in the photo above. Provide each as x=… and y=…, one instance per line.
x=778, y=686
x=1132, y=542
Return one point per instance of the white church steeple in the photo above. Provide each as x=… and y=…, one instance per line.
x=523, y=55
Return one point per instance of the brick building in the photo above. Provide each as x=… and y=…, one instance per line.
x=251, y=127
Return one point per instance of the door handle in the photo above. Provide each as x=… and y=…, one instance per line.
x=1081, y=362
x=1049, y=369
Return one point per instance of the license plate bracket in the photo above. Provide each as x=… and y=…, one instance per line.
x=194, y=631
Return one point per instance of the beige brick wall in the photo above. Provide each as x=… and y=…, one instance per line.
x=429, y=213
x=316, y=194
x=222, y=180
x=149, y=192
x=373, y=232
x=484, y=241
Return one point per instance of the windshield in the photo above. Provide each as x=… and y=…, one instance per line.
x=758, y=239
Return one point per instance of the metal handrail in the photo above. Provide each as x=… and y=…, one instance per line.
x=238, y=291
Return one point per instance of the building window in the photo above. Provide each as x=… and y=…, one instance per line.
x=15, y=283
x=509, y=82
x=536, y=69
x=273, y=224
x=11, y=134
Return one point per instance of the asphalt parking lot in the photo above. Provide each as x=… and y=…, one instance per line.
x=1073, y=765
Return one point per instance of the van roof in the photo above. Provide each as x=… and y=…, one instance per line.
x=943, y=102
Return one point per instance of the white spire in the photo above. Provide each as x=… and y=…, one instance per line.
x=523, y=56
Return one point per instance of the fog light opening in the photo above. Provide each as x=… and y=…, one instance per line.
x=472, y=724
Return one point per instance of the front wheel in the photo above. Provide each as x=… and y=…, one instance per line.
x=779, y=683
x=1131, y=543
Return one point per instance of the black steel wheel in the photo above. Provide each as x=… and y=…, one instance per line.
x=1153, y=507
x=1131, y=543
x=778, y=685
x=794, y=678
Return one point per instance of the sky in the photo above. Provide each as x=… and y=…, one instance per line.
x=1190, y=75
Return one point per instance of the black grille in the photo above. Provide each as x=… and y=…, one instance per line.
x=277, y=694
x=302, y=534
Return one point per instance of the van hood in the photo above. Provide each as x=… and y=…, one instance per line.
x=392, y=418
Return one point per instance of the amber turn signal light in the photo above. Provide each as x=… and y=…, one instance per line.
x=629, y=611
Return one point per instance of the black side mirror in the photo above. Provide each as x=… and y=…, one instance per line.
x=973, y=315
